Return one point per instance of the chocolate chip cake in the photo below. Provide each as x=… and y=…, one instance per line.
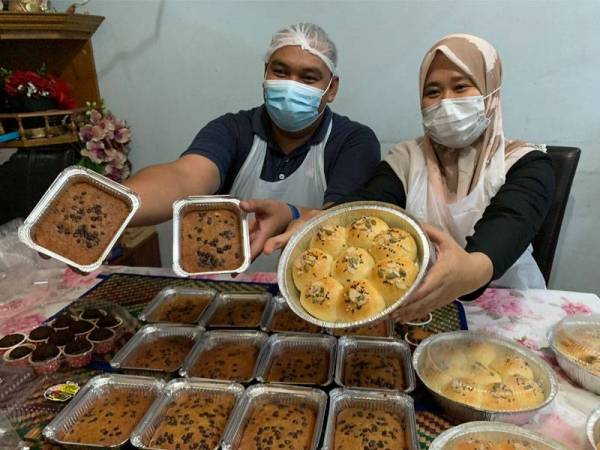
x=80, y=223
x=165, y=353
x=227, y=361
x=357, y=428
x=211, y=241
x=286, y=320
x=111, y=418
x=278, y=426
x=181, y=309
x=238, y=313
x=300, y=365
x=195, y=420
x=373, y=370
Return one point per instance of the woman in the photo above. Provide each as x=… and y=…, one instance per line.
x=481, y=197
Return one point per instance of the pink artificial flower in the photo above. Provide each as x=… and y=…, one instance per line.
x=116, y=173
x=115, y=157
x=95, y=116
x=85, y=133
x=98, y=133
x=94, y=151
x=572, y=308
x=122, y=135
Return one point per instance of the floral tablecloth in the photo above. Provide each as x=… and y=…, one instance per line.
x=525, y=316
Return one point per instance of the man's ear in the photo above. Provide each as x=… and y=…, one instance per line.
x=333, y=90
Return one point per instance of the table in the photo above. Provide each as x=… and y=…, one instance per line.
x=521, y=315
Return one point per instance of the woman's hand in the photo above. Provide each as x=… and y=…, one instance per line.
x=454, y=274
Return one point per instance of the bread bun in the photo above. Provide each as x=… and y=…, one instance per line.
x=499, y=397
x=322, y=299
x=463, y=390
x=393, y=277
x=483, y=375
x=481, y=352
x=311, y=265
x=394, y=243
x=507, y=365
x=330, y=239
x=352, y=265
x=363, y=230
x=360, y=301
x=528, y=392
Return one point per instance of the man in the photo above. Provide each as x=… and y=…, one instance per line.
x=293, y=148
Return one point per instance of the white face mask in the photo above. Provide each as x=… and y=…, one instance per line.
x=456, y=122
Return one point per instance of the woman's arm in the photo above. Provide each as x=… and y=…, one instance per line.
x=515, y=214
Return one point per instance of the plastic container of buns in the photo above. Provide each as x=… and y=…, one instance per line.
x=474, y=376
x=211, y=417
x=210, y=236
x=492, y=435
x=353, y=264
x=377, y=416
x=300, y=411
x=89, y=223
x=575, y=341
x=83, y=422
x=592, y=428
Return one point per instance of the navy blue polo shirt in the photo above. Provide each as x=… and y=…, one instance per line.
x=351, y=154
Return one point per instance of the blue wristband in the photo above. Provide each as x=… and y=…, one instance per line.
x=294, y=210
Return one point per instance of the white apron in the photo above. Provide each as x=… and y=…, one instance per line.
x=305, y=187
x=459, y=218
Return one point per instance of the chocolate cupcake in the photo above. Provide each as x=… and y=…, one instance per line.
x=78, y=353
x=62, y=338
x=102, y=339
x=19, y=356
x=109, y=321
x=45, y=359
x=62, y=322
x=41, y=334
x=92, y=314
x=81, y=328
x=11, y=340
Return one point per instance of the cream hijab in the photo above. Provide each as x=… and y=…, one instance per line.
x=481, y=63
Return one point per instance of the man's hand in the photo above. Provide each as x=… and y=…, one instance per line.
x=455, y=273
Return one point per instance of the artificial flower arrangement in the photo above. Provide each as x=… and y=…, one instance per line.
x=28, y=91
x=105, y=140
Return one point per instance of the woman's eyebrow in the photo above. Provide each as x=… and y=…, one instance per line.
x=458, y=78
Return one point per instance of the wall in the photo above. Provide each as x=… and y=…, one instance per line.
x=169, y=66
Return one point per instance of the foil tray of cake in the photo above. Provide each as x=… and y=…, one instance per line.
x=298, y=358
x=225, y=355
x=271, y=415
x=236, y=310
x=80, y=218
x=104, y=412
x=279, y=318
x=374, y=364
x=592, y=428
x=181, y=305
x=356, y=415
x=188, y=411
x=157, y=348
x=210, y=236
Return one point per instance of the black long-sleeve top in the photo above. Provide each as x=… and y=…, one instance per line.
x=510, y=221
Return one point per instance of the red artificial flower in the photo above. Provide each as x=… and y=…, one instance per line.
x=35, y=85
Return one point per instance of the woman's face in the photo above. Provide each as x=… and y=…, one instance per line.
x=445, y=80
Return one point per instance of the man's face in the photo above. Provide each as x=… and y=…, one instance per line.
x=293, y=63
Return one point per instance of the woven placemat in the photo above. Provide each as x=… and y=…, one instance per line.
x=133, y=292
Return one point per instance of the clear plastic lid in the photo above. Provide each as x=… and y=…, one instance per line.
x=578, y=338
x=485, y=373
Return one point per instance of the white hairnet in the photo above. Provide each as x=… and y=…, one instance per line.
x=309, y=37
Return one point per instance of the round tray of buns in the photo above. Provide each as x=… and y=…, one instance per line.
x=353, y=264
x=474, y=376
x=593, y=428
x=492, y=435
x=575, y=341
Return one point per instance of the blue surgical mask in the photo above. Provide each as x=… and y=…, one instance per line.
x=291, y=105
